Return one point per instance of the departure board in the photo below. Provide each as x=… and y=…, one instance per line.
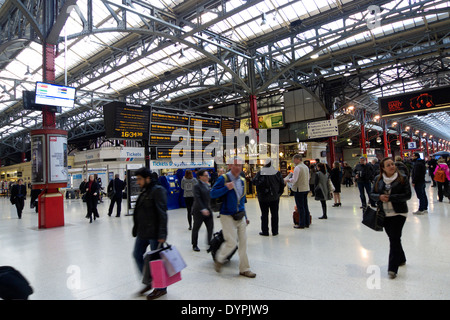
x=164, y=121
x=229, y=123
x=123, y=121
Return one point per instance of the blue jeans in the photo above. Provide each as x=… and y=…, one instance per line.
x=421, y=195
x=365, y=186
x=140, y=247
x=301, y=200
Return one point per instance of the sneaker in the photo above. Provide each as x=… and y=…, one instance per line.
x=418, y=212
x=425, y=211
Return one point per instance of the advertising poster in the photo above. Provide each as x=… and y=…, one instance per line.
x=58, y=159
x=37, y=160
x=267, y=121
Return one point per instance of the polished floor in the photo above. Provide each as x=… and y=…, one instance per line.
x=338, y=258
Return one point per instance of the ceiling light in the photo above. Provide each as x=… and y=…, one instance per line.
x=315, y=56
x=210, y=107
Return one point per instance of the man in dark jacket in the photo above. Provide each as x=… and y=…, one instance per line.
x=150, y=221
x=364, y=175
x=269, y=187
x=18, y=195
x=115, y=193
x=418, y=181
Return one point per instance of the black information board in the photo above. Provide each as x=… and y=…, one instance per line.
x=123, y=121
x=133, y=190
x=229, y=123
x=425, y=101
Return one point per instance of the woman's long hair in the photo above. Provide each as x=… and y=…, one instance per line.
x=188, y=174
x=399, y=177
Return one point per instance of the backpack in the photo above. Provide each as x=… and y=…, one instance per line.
x=440, y=176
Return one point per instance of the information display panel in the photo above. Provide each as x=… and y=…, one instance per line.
x=124, y=121
x=425, y=101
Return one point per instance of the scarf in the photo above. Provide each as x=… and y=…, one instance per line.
x=389, y=180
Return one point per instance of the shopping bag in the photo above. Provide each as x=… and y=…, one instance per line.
x=173, y=261
x=150, y=256
x=160, y=278
x=374, y=219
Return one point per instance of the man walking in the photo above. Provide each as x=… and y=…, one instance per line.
x=269, y=186
x=300, y=187
x=364, y=174
x=233, y=217
x=150, y=221
x=418, y=182
x=115, y=193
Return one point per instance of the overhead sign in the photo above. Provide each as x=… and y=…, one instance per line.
x=266, y=121
x=425, y=101
x=412, y=145
x=323, y=129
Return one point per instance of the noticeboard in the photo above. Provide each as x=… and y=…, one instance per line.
x=123, y=121
x=57, y=159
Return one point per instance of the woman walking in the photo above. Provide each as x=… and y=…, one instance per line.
x=92, y=190
x=187, y=184
x=322, y=191
x=391, y=190
x=201, y=209
x=336, y=178
x=442, y=177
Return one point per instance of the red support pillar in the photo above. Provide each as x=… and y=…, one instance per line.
x=50, y=201
x=401, y=141
x=363, y=134
x=254, y=112
x=426, y=146
x=49, y=74
x=331, y=148
x=385, y=139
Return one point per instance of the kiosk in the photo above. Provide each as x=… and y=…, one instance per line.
x=49, y=171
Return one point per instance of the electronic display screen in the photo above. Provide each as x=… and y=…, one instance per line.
x=425, y=101
x=54, y=95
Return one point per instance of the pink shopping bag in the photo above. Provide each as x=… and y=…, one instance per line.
x=160, y=278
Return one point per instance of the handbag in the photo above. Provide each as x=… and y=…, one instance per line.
x=160, y=278
x=330, y=185
x=374, y=219
x=173, y=261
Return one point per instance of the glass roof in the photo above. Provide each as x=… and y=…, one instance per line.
x=264, y=18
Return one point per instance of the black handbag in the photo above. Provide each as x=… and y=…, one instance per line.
x=374, y=219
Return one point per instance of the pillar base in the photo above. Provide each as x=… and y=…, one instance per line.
x=51, y=210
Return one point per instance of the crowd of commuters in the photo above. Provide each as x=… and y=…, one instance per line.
x=387, y=185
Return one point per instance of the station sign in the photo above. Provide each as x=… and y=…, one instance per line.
x=323, y=129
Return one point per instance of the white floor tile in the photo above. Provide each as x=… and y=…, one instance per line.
x=330, y=260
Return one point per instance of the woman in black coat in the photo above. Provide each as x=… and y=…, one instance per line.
x=391, y=191
x=92, y=196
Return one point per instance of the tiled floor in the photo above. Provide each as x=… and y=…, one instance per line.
x=338, y=258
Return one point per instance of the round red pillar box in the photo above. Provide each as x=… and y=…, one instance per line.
x=49, y=171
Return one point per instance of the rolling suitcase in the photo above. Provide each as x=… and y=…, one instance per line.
x=215, y=244
x=296, y=217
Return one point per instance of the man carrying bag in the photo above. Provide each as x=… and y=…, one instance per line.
x=150, y=222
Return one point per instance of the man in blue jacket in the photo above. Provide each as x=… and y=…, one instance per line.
x=233, y=217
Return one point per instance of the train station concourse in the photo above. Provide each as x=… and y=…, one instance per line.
x=125, y=126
